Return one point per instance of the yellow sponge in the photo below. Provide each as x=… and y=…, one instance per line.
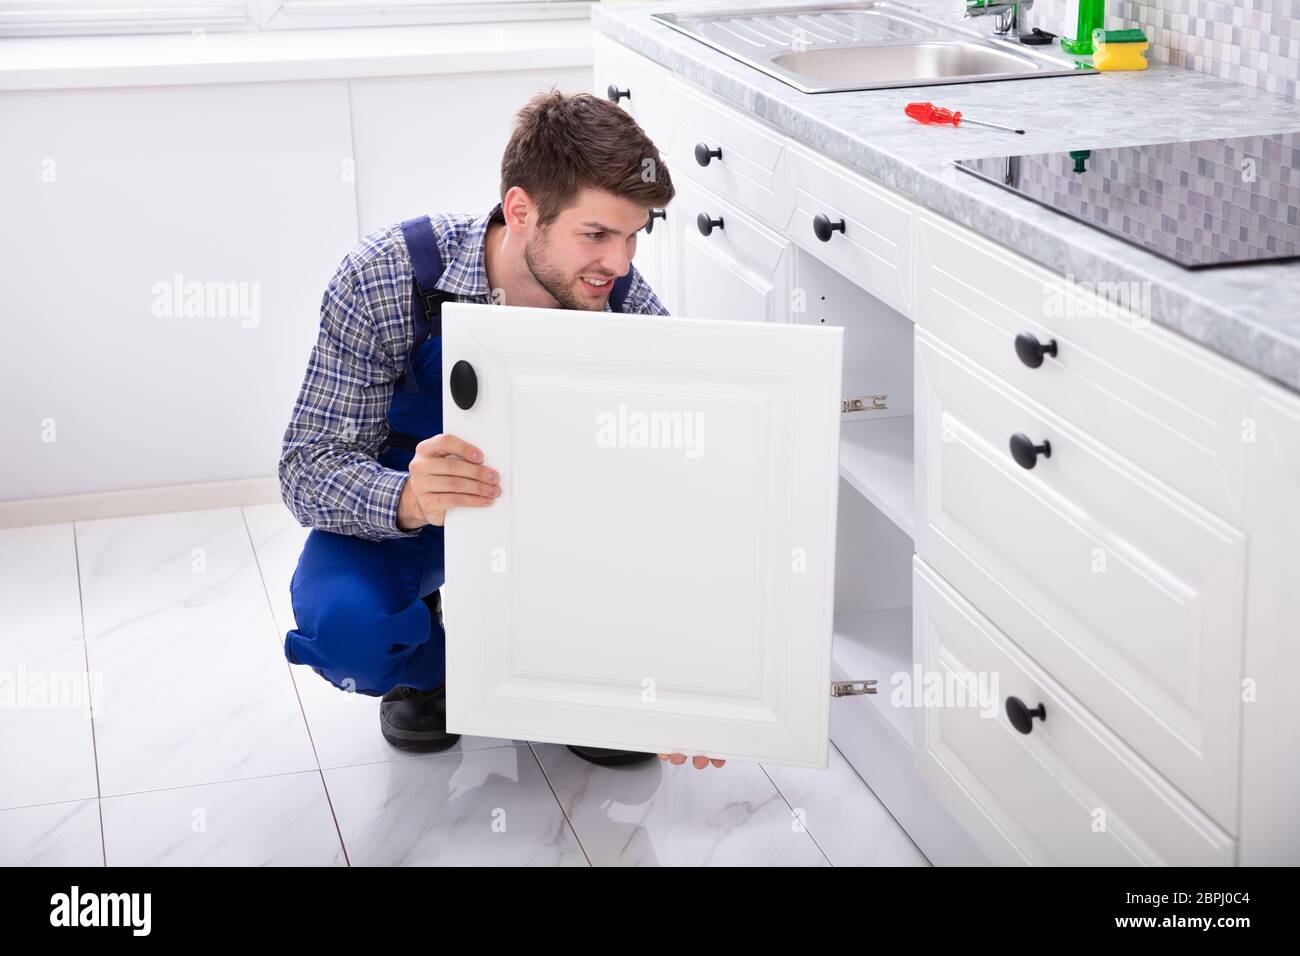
x=1119, y=49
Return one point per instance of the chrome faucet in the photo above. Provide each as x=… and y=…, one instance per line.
x=1009, y=23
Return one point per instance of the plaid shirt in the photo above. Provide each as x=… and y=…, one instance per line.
x=330, y=476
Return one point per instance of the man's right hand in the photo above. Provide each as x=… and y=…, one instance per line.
x=446, y=472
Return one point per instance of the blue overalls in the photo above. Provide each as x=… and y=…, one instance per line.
x=361, y=620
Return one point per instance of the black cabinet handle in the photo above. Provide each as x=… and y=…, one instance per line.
x=823, y=228
x=464, y=384
x=615, y=94
x=1021, y=717
x=1031, y=351
x=706, y=224
x=1026, y=453
x=655, y=214
x=703, y=154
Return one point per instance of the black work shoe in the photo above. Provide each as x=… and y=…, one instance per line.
x=603, y=757
x=416, y=720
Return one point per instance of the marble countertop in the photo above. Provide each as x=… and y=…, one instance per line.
x=1249, y=313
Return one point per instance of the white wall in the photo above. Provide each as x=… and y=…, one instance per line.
x=107, y=193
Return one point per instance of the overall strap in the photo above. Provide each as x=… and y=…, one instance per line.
x=618, y=294
x=426, y=298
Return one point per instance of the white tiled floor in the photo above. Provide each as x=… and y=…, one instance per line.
x=207, y=748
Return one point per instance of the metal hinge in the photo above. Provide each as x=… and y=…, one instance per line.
x=877, y=403
x=851, y=688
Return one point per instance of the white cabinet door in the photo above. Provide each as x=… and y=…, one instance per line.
x=658, y=572
x=734, y=268
x=1270, y=772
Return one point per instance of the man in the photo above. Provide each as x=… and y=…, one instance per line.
x=365, y=463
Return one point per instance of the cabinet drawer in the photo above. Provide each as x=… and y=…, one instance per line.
x=750, y=168
x=1126, y=592
x=645, y=82
x=740, y=270
x=1068, y=792
x=874, y=249
x=1163, y=402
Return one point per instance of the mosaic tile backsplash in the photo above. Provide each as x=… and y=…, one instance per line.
x=1256, y=42
x=1197, y=203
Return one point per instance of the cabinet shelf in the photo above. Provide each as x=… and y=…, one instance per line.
x=876, y=459
x=877, y=644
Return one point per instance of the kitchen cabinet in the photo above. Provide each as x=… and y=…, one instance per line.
x=859, y=229
x=725, y=264
x=1270, y=772
x=1129, y=595
x=1036, y=485
x=653, y=257
x=1167, y=405
x=733, y=156
x=635, y=84
x=682, y=467
x=1060, y=788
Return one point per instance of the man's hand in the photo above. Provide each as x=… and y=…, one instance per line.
x=446, y=472
x=700, y=762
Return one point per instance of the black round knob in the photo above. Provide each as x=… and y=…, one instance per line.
x=706, y=224
x=655, y=214
x=1026, y=453
x=1021, y=717
x=824, y=228
x=703, y=154
x=615, y=94
x=1031, y=351
x=463, y=384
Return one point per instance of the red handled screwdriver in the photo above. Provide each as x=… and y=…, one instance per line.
x=929, y=113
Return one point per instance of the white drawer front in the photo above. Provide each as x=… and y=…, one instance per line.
x=1066, y=793
x=1127, y=593
x=751, y=167
x=645, y=82
x=739, y=271
x=874, y=249
x=1159, y=400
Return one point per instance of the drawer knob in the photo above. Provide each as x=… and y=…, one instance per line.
x=1031, y=351
x=1026, y=453
x=824, y=228
x=655, y=214
x=705, y=224
x=1021, y=717
x=463, y=384
x=704, y=155
x=615, y=94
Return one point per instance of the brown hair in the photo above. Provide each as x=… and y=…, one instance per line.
x=562, y=144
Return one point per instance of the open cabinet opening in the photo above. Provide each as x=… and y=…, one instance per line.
x=874, y=534
x=873, y=604
x=876, y=456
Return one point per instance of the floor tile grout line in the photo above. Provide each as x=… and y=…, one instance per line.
x=329, y=799
x=786, y=800
x=50, y=803
x=212, y=783
x=293, y=682
x=560, y=803
x=882, y=804
x=94, y=741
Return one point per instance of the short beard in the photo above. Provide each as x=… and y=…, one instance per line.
x=552, y=280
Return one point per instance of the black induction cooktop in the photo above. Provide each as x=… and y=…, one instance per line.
x=1201, y=204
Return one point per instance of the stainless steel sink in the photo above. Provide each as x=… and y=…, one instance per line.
x=864, y=46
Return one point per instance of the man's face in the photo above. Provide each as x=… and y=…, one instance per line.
x=595, y=239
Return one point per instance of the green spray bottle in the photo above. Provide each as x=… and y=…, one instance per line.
x=1082, y=16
